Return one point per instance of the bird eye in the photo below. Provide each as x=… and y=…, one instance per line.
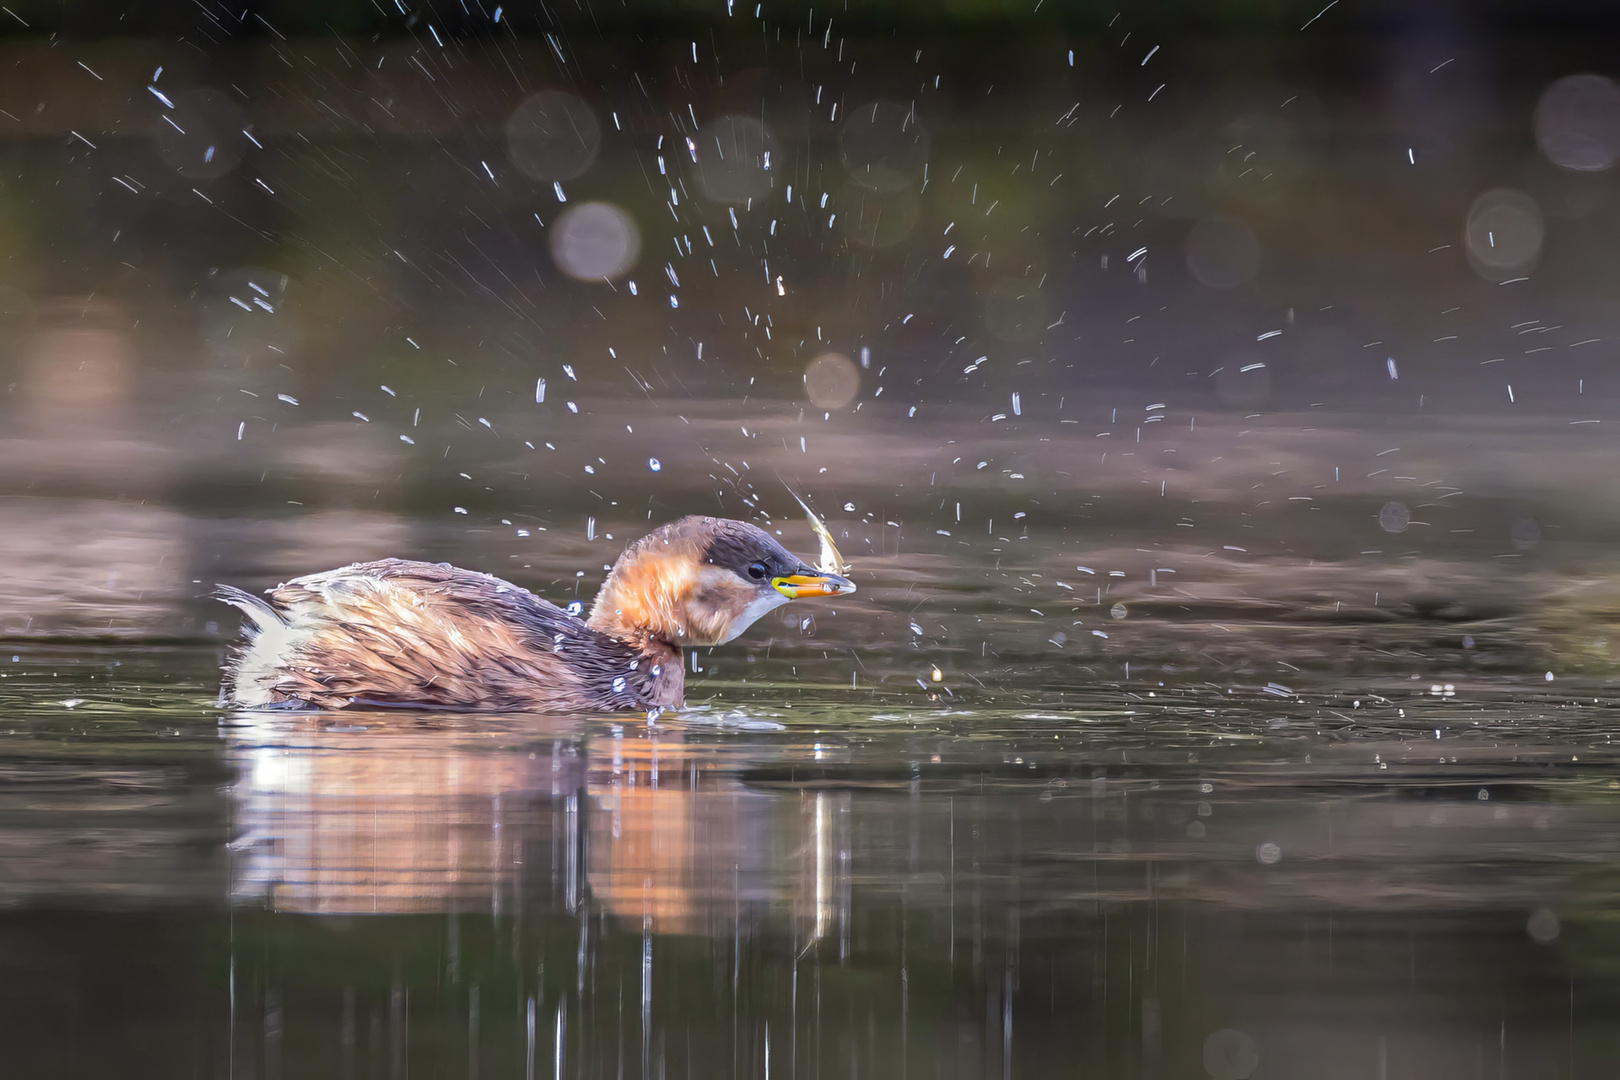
x=757, y=571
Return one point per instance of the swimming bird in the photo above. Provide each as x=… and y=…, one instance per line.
x=429, y=635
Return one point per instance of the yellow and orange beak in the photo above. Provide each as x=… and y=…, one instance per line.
x=807, y=582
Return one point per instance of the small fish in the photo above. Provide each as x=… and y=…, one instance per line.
x=829, y=561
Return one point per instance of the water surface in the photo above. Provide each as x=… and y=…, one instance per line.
x=1217, y=407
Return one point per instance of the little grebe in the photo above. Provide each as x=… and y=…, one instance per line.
x=400, y=633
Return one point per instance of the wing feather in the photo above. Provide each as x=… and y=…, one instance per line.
x=398, y=632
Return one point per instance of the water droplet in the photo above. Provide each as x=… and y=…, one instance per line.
x=1230, y=1054
x=654, y=464
x=1223, y=252
x=1504, y=233
x=1543, y=926
x=831, y=381
x=1525, y=534
x=553, y=136
x=594, y=241
x=732, y=154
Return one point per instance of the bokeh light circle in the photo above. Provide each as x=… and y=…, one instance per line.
x=876, y=219
x=831, y=381
x=734, y=159
x=883, y=146
x=1504, y=233
x=1578, y=123
x=202, y=136
x=1223, y=252
x=1394, y=517
x=1230, y=1054
x=553, y=136
x=1543, y=926
x=1525, y=533
x=1015, y=310
x=595, y=240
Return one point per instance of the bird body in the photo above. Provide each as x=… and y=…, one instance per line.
x=429, y=635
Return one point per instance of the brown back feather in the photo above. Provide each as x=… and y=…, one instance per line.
x=397, y=632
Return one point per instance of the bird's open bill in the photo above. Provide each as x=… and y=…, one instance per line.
x=809, y=582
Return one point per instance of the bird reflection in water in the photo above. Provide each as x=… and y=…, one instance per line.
x=412, y=813
x=396, y=813
x=677, y=843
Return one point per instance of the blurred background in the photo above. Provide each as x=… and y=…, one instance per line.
x=1217, y=403
x=283, y=286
